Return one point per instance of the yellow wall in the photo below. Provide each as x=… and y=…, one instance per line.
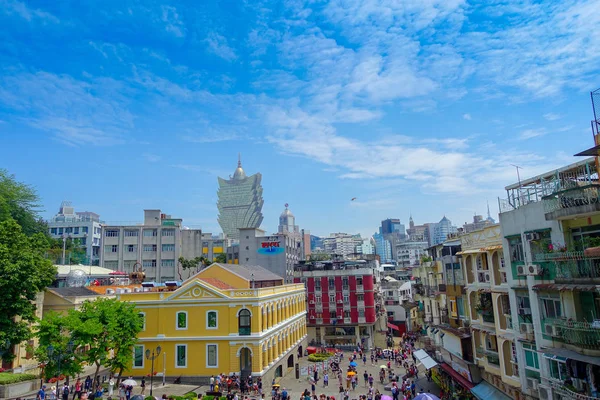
x=277, y=331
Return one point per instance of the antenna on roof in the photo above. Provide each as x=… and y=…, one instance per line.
x=239, y=160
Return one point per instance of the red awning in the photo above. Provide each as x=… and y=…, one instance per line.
x=392, y=326
x=459, y=378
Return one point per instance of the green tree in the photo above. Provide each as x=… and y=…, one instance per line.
x=55, y=330
x=221, y=258
x=194, y=263
x=24, y=273
x=109, y=329
x=19, y=201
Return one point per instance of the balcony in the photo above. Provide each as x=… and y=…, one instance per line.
x=492, y=356
x=573, y=202
x=571, y=266
x=564, y=393
x=484, y=276
x=578, y=333
x=488, y=317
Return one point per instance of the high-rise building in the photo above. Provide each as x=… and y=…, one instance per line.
x=438, y=232
x=392, y=225
x=155, y=246
x=82, y=226
x=342, y=244
x=240, y=202
x=382, y=248
x=417, y=232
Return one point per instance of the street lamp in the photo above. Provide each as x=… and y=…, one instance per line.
x=59, y=357
x=152, y=355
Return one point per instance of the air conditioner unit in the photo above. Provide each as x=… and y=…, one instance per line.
x=532, y=236
x=137, y=290
x=120, y=290
x=534, y=269
x=544, y=392
x=532, y=384
x=340, y=301
x=110, y=291
x=526, y=327
x=521, y=270
x=552, y=330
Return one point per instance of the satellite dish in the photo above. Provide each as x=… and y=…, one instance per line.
x=77, y=278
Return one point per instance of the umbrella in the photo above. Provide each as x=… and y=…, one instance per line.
x=137, y=397
x=426, y=396
x=386, y=397
x=276, y=385
x=383, y=366
x=351, y=373
x=353, y=364
x=129, y=382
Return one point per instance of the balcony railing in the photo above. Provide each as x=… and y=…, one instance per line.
x=564, y=393
x=572, y=201
x=492, y=356
x=488, y=317
x=572, y=265
x=578, y=333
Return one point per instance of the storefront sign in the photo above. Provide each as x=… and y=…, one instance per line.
x=270, y=247
x=464, y=372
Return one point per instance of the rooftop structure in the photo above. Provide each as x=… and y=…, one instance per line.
x=240, y=202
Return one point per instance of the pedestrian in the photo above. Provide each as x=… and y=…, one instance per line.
x=121, y=392
x=78, y=388
x=128, y=390
x=111, y=386
x=366, y=378
x=65, y=392
x=88, y=384
x=98, y=394
x=41, y=394
x=371, y=380
x=413, y=388
x=212, y=383
x=143, y=386
x=325, y=380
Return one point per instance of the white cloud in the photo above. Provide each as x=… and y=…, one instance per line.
x=532, y=133
x=21, y=9
x=173, y=24
x=152, y=157
x=467, y=117
x=217, y=44
x=552, y=116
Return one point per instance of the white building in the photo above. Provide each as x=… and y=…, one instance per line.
x=155, y=245
x=83, y=226
x=342, y=244
x=367, y=247
x=408, y=253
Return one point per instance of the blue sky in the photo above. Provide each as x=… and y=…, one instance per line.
x=411, y=106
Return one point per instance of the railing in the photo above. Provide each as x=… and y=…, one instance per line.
x=492, y=356
x=479, y=351
x=579, y=333
x=571, y=198
x=566, y=393
x=571, y=265
x=488, y=317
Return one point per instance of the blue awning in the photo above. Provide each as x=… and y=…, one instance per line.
x=485, y=391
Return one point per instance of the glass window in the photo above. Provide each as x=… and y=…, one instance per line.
x=359, y=281
x=168, y=232
x=331, y=283
x=149, y=232
x=361, y=312
x=181, y=351
x=149, y=247
x=168, y=247
x=317, y=284
x=149, y=263
x=76, y=230
x=84, y=229
x=111, y=233
x=318, y=299
x=332, y=314
x=558, y=369
x=182, y=320
x=211, y=319
x=53, y=231
x=552, y=308
x=167, y=263
x=138, y=356
x=143, y=317
x=332, y=298
x=360, y=297
x=211, y=355
x=244, y=322
x=114, y=265
x=346, y=299
x=460, y=306
x=531, y=357
x=83, y=241
x=131, y=248
x=515, y=246
x=130, y=233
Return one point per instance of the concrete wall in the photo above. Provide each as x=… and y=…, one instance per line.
x=191, y=243
x=19, y=389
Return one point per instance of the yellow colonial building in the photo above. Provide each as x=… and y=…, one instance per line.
x=227, y=318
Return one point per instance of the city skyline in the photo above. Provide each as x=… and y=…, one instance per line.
x=419, y=110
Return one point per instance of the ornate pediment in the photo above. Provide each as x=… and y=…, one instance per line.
x=195, y=290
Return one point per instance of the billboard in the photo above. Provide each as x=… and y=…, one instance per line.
x=270, y=247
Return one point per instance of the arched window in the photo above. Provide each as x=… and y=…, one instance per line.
x=244, y=321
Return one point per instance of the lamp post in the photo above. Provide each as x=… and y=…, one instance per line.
x=152, y=355
x=59, y=357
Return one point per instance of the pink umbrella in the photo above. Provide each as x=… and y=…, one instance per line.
x=386, y=397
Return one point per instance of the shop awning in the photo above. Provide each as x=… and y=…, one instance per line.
x=424, y=358
x=458, y=377
x=392, y=326
x=468, y=252
x=485, y=391
x=564, y=353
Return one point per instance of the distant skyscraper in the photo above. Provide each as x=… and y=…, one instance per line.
x=441, y=231
x=240, y=202
x=392, y=225
x=287, y=222
x=382, y=248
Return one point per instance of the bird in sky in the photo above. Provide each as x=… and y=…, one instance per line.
x=354, y=198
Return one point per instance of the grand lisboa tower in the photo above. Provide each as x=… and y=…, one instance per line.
x=240, y=202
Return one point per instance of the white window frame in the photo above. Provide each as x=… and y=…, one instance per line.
x=143, y=356
x=216, y=355
x=144, y=316
x=187, y=321
x=177, y=345
x=217, y=314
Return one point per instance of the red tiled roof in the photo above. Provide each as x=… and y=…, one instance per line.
x=219, y=284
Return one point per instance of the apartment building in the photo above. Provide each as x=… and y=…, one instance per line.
x=550, y=228
x=82, y=226
x=343, y=306
x=155, y=246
